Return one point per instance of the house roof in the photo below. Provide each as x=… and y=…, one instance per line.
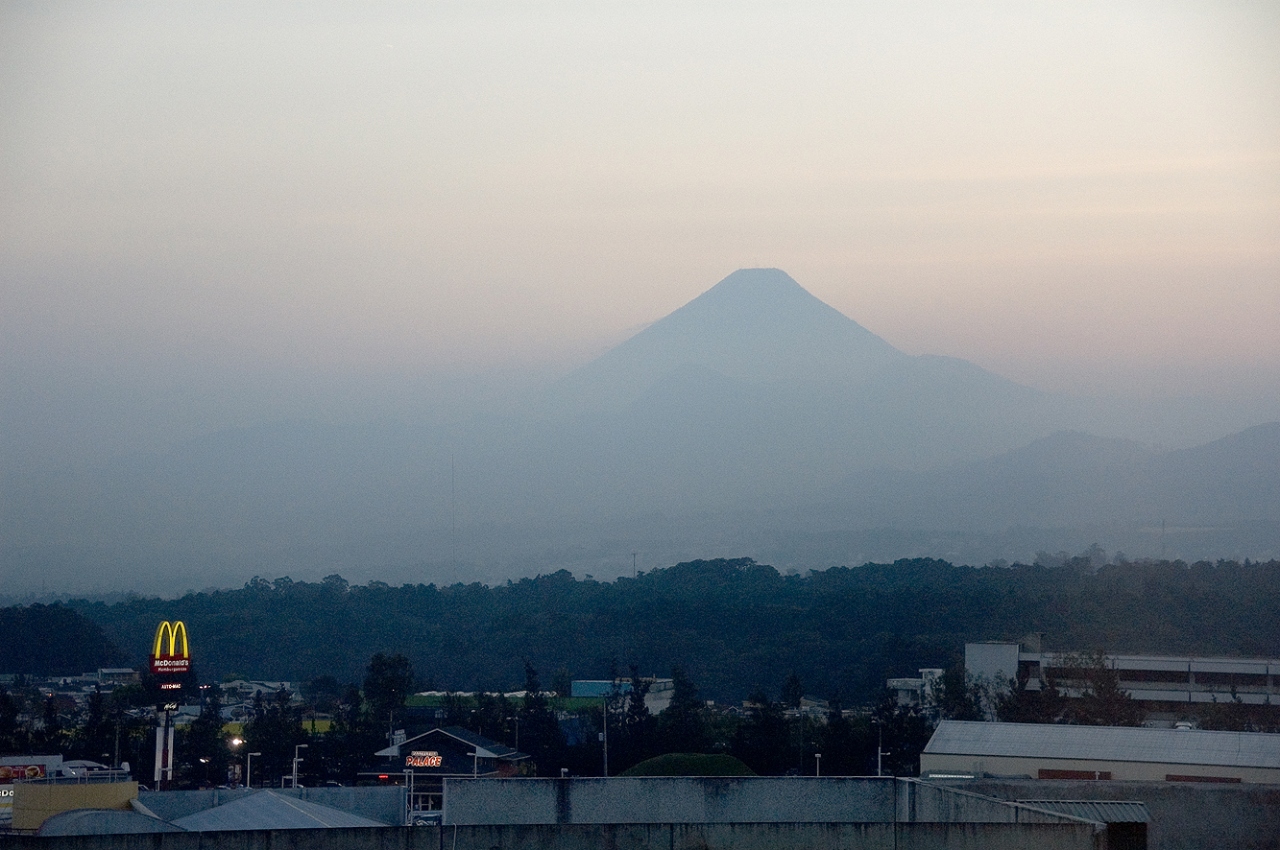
x=482, y=745
x=1106, y=743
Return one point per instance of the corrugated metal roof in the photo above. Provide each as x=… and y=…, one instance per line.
x=269, y=810
x=1102, y=811
x=1106, y=743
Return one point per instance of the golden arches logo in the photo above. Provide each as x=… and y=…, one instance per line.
x=175, y=657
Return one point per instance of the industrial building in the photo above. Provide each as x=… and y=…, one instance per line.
x=1052, y=751
x=1165, y=684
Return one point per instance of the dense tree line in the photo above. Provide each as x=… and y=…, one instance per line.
x=53, y=640
x=732, y=625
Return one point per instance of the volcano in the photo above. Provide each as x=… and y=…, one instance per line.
x=756, y=326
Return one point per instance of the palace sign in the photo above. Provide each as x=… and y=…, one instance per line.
x=423, y=759
x=171, y=654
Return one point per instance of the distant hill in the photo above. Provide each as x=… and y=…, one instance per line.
x=53, y=640
x=1071, y=479
x=751, y=416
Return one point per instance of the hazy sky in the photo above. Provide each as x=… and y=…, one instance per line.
x=1076, y=195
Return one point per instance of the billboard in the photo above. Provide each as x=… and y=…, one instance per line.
x=10, y=773
x=171, y=653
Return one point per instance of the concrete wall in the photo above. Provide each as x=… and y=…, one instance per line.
x=1183, y=816
x=777, y=836
x=921, y=802
x=669, y=800
x=995, y=663
x=34, y=802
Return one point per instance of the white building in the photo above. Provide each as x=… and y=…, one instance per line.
x=1051, y=751
x=1163, y=682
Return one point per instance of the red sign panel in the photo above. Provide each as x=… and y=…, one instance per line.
x=10, y=773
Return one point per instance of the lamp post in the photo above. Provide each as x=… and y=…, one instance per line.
x=296, y=759
x=516, y=718
x=248, y=769
x=817, y=764
x=604, y=737
x=234, y=742
x=881, y=752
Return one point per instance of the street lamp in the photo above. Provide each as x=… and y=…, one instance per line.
x=817, y=764
x=248, y=769
x=295, y=762
x=234, y=743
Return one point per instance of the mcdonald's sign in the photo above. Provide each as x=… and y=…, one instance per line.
x=171, y=654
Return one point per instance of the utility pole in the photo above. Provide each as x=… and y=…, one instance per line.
x=604, y=737
x=248, y=770
x=453, y=512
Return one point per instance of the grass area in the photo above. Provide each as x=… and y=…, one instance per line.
x=235, y=729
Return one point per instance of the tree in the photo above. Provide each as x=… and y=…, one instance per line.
x=352, y=740
x=204, y=751
x=1021, y=704
x=958, y=696
x=388, y=682
x=540, y=734
x=846, y=751
x=683, y=726
x=637, y=728
x=275, y=730
x=792, y=691
x=901, y=732
x=12, y=739
x=1103, y=702
x=51, y=737
x=562, y=683
x=92, y=740
x=762, y=740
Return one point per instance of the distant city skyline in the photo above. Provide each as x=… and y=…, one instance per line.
x=202, y=205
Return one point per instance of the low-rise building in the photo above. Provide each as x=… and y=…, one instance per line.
x=424, y=761
x=1059, y=751
x=916, y=691
x=1168, y=687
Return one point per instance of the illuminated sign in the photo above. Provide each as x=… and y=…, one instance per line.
x=15, y=772
x=423, y=759
x=171, y=653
